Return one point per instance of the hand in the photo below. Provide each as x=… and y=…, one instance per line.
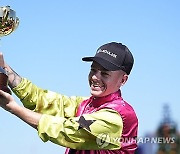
x=13, y=78
x=7, y=102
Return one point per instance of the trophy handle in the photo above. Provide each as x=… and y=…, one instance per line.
x=16, y=24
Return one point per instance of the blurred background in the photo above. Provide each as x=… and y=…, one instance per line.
x=53, y=36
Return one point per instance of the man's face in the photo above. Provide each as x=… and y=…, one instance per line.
x=103, y=82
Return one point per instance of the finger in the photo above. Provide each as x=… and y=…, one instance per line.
x=2, y=93
x=1, y=60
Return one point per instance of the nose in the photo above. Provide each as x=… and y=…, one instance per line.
x=96, y=75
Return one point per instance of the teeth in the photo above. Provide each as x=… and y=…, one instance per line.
x=95, y=84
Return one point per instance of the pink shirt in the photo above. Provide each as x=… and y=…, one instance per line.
x=130, y=122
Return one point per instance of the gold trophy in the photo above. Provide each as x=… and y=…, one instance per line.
x=8, y=23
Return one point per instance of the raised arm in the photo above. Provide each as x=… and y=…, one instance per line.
x=37, y=99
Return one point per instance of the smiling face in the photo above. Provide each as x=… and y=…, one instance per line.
x=103, y=82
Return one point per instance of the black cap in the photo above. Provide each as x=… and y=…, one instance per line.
x=113, y=56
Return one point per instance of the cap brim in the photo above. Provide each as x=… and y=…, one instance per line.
x=104, y=63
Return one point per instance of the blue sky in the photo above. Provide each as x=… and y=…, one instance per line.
x=53, y=36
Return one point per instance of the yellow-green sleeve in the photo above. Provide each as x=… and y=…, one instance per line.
x=99, y=130
x=45, y=101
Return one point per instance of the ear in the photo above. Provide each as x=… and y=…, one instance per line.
x=124, y=79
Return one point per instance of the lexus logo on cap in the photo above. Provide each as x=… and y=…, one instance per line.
x=107, y=52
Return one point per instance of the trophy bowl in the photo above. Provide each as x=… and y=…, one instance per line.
x=8, y=21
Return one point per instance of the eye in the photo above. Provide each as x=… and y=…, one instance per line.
x=104, y=73
x=93, y=70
